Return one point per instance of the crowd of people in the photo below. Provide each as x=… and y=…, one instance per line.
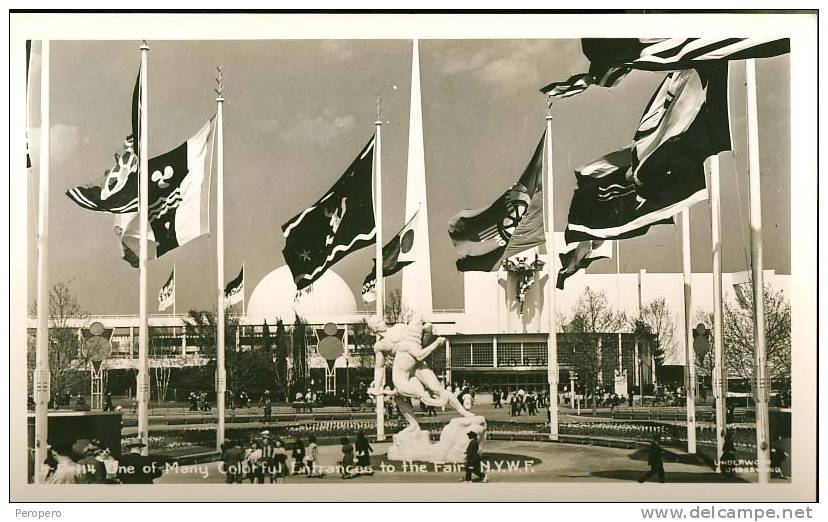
x=96, y=464
x=268, y=459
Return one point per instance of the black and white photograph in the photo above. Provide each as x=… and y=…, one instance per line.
x=284, y=256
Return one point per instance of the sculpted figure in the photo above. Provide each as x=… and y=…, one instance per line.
x=411, y=376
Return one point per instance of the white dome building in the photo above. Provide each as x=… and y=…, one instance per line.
x=274, y=297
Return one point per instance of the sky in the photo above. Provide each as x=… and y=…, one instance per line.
x=298, y=111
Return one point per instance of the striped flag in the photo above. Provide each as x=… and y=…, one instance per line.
x=179, y=211
x=166, y=296
x=684, y=53
x=623, y=193
x=580, y=255
x=613, y=58
x=234, y=290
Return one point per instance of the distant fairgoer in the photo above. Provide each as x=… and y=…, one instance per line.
x=298, y=455
x=655, y=460
x=347, y=458
x=473, y=460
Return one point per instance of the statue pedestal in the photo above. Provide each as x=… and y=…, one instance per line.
x=415, y=445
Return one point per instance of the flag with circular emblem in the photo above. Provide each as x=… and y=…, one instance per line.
x=483, y=238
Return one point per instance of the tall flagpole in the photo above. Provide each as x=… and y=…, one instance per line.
x=41, y=375
x=143, y=385
x=379, y=275
x=760, y=381
x=718, y=366
x=244, y=288
x=552, y=341
x=175, y=289
x=221, y=376
x=690, y=360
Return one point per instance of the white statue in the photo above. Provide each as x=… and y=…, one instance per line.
x=413, y=379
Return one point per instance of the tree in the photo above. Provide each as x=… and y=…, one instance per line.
x=737, y=323
x=363, y=339
x=591, y=316
x=705, y=361
x=395, y=310
x=281, y=357
x=658, y=318
x=299, y=375
x=67, y=363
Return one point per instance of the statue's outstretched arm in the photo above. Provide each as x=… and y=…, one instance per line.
x=422, y=353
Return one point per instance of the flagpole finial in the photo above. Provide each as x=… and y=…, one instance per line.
x=549, y=100
x=219, y=90
x=144, y=46
x=379, y=109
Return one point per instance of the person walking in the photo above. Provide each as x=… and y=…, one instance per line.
x=473, y=460
x=363, y=453
x=66, y=471
x=655, y=460
x=136, y=468
x=92, y=469
x=232, y=456
x=728, y=458
x=298, y=454
x=279, y=468
x=778, y=456
x=347, y=458
x=312, y=458
x=253, y=463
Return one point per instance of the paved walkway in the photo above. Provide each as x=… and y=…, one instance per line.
x=518, y=461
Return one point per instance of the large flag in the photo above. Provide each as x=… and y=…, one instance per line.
x=612, y=58
x=625, y=192
x=234, y=290
x=179, y=213
x=400, y=251
x=580, y=255
x=485, y=237
x=340, y=222
x=166, y=296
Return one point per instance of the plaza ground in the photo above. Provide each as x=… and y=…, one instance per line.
x=550, y=463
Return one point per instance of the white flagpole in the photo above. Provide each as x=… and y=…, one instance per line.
x=380, y=285
x=244, y=287
x=690, y=360
x=220, y=370
x=552, y=339
x=718, y=367
x=761, y=383
x=175, y=289
x=41, y=375
x=143, y=385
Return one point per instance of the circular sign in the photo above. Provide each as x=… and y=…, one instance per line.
x=96, y=328
x=330, y=328
x=97, y=348
x=330, y=348
x=407, y=241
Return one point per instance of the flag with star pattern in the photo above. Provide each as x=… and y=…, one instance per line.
x=340, y=222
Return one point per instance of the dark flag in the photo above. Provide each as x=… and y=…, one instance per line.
x=622, y=194
x=396, y=254
x=234, y=290
x=580, y=255
x=485, y=237
x=341, y=222
x=613, y=58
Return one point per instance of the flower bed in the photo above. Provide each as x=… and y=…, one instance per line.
x=331, y=430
